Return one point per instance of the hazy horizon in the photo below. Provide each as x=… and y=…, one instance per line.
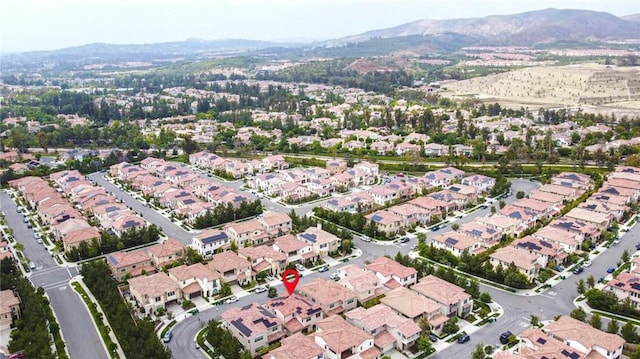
x=34, y=25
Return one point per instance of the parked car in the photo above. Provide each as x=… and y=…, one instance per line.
x=270, y=278
x=504, y=337
x=611, y=270
x=32, y=265
x=335, y=276
x=323, y=268
x=261, y=289
x=39, y=240
x=167, y=337
x=463, y=339
x=231, y=299
x=616, y=241
x=365, y=239
x=587, y=264
x=433, y=338
x=414, y=247
x=578, y=270
x=404, y=239
x=300, y=267
x=638, y=246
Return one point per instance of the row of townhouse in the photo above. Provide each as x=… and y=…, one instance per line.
x=237, y=168
x=60, y=208
x=177, y=187
x=340, y=328
x=552, y=243
x=251, y=232
x=422, y=210
x=299, y=183
x=565, y=337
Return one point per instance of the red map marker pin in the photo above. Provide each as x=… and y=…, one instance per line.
x=291, y=286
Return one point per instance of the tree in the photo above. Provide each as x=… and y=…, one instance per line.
x=580, y=286
x=613, y=326
x=273, y=292
x=424, y=325
x=625, y=256
x=451, y=326
x=520, y=194
x=225, y=291
x=535, y=321
x=596, y=321
x=233, y=246
x=485, y=297
x=424, y=344
x=579, y=314
x=591, y=282
x=478, y=352
x=455, y=226
x=629, y=333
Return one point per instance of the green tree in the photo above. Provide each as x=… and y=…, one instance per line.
x=455, y=226
x=596, y=321
x=591, y=281
x=535, y=321
x=580, y=286
x=625, y=256
x=273, y=292
x=478, y=352
x=520, y=194
x=629, y=333
x=613, y=326
x=485, y=297
x=225, y=290
x=424, y=344
x=579, y=314
x=451, y=326
x=233, y=246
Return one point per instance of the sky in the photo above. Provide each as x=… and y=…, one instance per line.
x=29, y=25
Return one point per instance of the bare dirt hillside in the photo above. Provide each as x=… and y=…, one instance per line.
x=587, y=85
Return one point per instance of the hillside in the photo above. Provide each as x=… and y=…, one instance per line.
x=524, y=29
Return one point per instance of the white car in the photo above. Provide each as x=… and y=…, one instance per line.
x=32, y=265
x=587, y=264
x=231, y=299
x=261, y=289
x=300, y=267
x=335, y=276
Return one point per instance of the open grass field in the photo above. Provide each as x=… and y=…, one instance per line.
x=593, y=86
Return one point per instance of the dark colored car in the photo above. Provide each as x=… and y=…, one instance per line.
x=463, y=339
x=404, y=239
x=433, y=338
x=578, y=270
x=504, y=337
x=611, y=270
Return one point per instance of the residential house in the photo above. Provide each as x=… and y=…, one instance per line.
x=567, y=193
x=73, y=239
x=453, y=300
x=567, y=240
x=411, y=214
x=616, y=210
x=386, y=221
x=573, y=179
x=360, y=281
x=276, y=223
x=297, y=346
x=196, y=280
x=413, y=306
x=388, y=328
x=336, y=166
x=264, y=259
x=320, y=240
x=487, y=236
x=481, y=183
x=296, y=312
x=253, y=326
x=526, y=262
x=167, y=252
x=584, y=337
x=534, y=343
x=154, y=291
x=9, y=308
x=457, y=243
x=584, y=229
x=133, y=264
x=331, y=296
x=231, y=267
x=391, y=273
x=342, y=340
x=599, y=219
x=506, y=225
x=208, y=241
x=295, y=249
x=546, y=251
x=251, y=232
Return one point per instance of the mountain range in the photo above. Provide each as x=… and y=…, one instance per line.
x=531, y=28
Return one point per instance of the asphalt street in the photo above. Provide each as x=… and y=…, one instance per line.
x=74, y=319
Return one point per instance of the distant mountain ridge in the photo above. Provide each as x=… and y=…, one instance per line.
x=525, y=29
